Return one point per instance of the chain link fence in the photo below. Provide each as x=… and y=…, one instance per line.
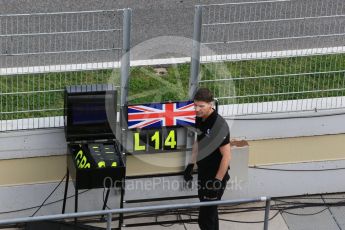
x=272, y=56
x=42, y=53
x=257, y=57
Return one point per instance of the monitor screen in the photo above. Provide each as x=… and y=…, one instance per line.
x=89, y=113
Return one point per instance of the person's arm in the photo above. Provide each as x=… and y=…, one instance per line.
x=187, y=174
x=194, y=152
x=225, y=150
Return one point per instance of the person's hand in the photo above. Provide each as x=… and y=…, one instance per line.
x=213, y=189
x=188, y=173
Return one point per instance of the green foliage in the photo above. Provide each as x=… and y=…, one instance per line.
x=278, y=79
x=146, y=86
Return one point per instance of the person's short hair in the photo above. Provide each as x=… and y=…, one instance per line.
x=203, y=94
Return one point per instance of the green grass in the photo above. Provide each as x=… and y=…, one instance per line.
x=45, y=91
x=313, y=73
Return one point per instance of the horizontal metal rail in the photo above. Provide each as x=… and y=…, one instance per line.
x=32, y=92
x=59, y=13
x=273, y=39
x=32, y=111
x=59, y=33
x=274, y=20
x=279, y=94
x=59, y=52
x=316, y=74
x=245, y=3
x=141, y=209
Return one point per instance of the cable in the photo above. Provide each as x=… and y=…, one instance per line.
x=181, y=219
x=330, y=211
x=106, y=205
x=29, y=208
x=183, y=222
x=296, y=170
x=249, y=222
x=305, y=214
x=164, y=225
x=48, y=196
x=288, y=202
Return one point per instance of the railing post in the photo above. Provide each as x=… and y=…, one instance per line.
x=267, y=213
x=195, y=62
x=109, y=221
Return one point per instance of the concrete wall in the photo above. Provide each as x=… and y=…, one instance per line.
x=44, y=169
x=311, y=152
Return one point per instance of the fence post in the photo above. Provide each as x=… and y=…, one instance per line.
x=125, y=65
x=125, y=59
x=267, y=213
x=195, y=62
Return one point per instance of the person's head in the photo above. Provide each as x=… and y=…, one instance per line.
x=203, y=100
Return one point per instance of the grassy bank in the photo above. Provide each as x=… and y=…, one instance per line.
x=234, y=82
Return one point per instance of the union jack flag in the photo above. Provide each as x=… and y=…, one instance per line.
x=159, y=115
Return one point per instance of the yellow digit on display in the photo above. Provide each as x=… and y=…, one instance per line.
x=156, y=138
x=101, y=164
x=137, y=146
x=170, y=140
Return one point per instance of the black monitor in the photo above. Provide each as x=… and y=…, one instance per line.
x=90, y=112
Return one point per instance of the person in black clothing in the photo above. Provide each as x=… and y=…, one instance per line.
x=211, y=152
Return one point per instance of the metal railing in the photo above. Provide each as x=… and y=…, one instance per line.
x=271, y=56
x=109, y=213
x=41, y=53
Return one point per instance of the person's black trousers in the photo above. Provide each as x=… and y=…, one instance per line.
x=208, y=218
x=208, y=215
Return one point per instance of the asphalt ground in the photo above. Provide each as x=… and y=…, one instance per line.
x=152, y=19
